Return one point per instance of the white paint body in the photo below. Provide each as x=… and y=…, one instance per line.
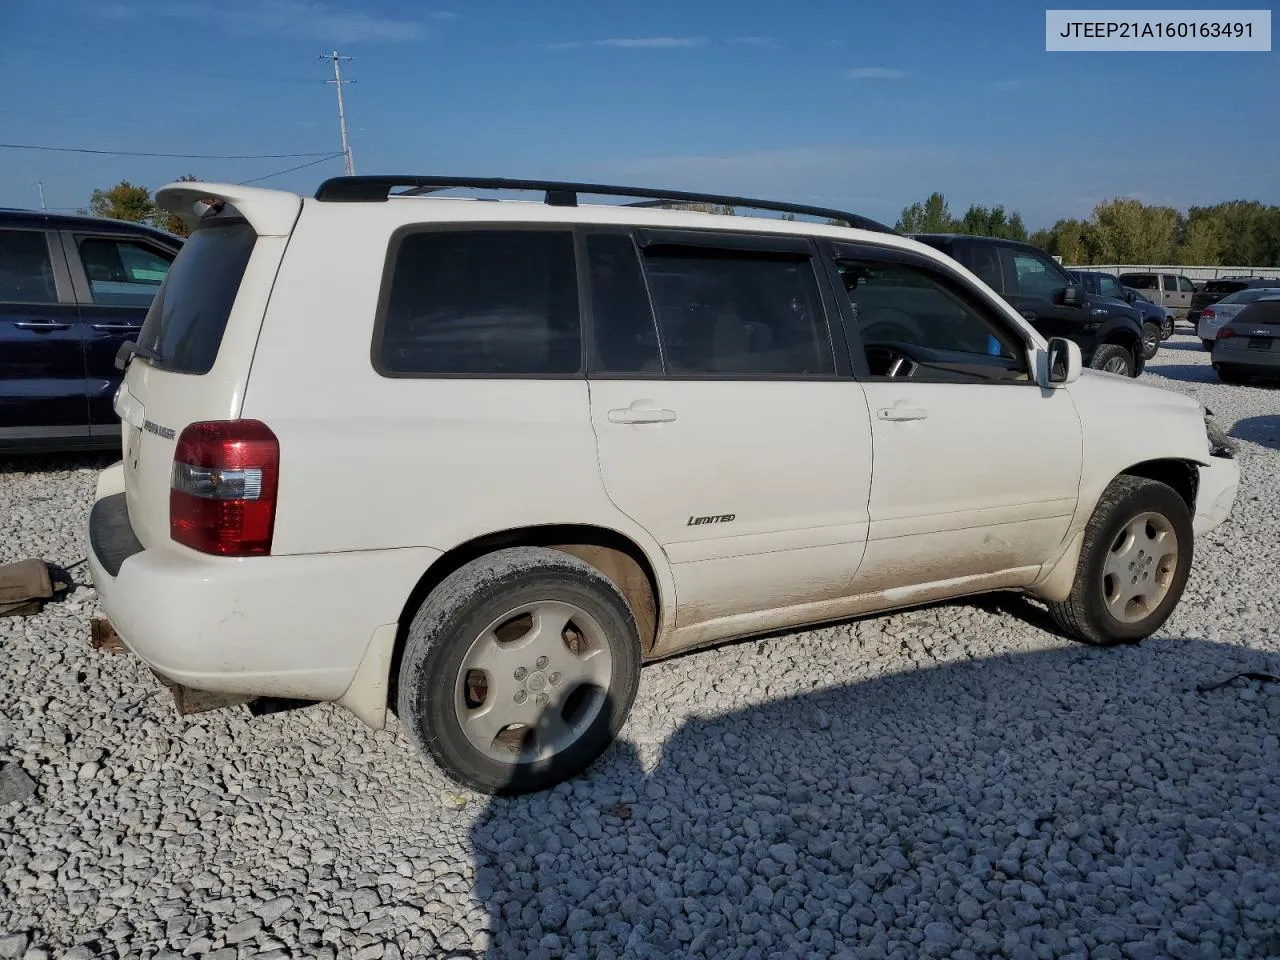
x=836, y=514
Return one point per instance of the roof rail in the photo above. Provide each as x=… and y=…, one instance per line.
x=565, y=194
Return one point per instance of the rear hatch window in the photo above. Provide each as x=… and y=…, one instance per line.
x=1223, y=287
x=188, y=317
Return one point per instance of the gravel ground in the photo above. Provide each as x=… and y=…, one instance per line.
x=951, y=781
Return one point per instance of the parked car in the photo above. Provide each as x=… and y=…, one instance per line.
x=1171, y=290
x=1155, y=319
x=1227, y=309
x=1248, y=345
x=1109, y=333
x=1216, y=290
x=72, y=290
x=540, y=444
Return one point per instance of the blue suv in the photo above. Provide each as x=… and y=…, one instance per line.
x=72, y=290
x=1157, y=322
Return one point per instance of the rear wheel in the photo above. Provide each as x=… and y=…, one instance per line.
x=1133, y=566
x=1207, y=344
x=1166, y=328
x=1113, y=358
x=1150, y=339
x=519, y=670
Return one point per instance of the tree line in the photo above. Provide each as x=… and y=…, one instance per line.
x=1242, y=233
x=1236, y=233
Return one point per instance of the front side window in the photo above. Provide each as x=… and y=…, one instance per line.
x=482, y=303
x=738, y=314
x=905, y=311
x=1186, y=286
x=123, y=273
x=26, y=271
x=1037, y=276
x=1108, y=287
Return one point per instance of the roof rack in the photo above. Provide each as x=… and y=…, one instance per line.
x=565, y=194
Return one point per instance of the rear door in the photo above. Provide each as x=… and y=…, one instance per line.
x=42, y=372
x=1170, y=296
x=196, y=344
x=115, y=278
x=731, y=430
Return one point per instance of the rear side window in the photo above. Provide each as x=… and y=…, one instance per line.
x=481, y=303
x=984, y=261
x=626, y=340
x=122, y=272
x=1140, y=281
x=26, y=272
x=738, y=314
x=1170, y=283
x=189, y=315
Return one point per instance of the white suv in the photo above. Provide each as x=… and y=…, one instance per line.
x=478, y=460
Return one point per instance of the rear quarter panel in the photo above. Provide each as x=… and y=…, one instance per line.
x=369, y=462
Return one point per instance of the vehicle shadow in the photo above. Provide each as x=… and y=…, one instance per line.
x=48, y=462
x=1044, y=804
x=1264, y=430
x=1178, y=344
x=1191, y=373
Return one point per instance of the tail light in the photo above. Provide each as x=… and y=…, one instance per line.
x=1207, y=314
x=222, y=496
x=1226, y=333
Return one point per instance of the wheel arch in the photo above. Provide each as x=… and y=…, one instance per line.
x=614, y=554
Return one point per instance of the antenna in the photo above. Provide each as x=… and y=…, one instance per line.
x=337, y=81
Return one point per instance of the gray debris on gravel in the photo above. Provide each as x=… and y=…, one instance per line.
x=954, y=781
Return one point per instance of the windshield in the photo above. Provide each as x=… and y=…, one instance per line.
x=184, y=327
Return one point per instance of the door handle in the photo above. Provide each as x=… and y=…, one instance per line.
x=901, y=412
x=641, y=412
x=117, y=327
x=41, y=326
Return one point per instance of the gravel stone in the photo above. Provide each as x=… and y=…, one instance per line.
x=954, y=781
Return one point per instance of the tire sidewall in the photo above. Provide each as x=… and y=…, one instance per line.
x=1108, y=350
x=1153, y=498
x=440, y=638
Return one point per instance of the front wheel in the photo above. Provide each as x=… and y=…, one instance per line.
x=519, y=670
x=1113, y=358
x=1133, y=565
x=1150, y=340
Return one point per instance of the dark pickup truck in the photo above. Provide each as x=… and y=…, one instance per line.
x=1108, y=332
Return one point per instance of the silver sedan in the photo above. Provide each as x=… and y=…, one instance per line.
x=1248, y=345
x=1225, y=310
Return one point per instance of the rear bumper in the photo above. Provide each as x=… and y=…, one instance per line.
x=285, y=626
x=1235, y=352
x=1216, y=494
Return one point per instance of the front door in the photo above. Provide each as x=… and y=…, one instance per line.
x=726, y=429
x=1035, y=285
x=977, y=468
x=115, y=279
x=42, y=372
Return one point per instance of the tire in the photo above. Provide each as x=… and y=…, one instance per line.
x=1114, y=355
x=1150, y=340
x=448, y=634
x=1207, y=344
x=1231, y=375
x=1087, y=614
x=1167, y=328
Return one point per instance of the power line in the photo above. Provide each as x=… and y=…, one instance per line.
x=172, y=156
x=337, y=81
x=309, y=163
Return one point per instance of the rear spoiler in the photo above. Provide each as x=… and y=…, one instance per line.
x=271, y=213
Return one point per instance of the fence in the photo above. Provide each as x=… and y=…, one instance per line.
x=1190, y=272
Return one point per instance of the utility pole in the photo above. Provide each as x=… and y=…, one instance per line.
x=40, y=185
x=337, y=81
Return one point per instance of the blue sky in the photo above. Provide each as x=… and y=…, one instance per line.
x=866, y=106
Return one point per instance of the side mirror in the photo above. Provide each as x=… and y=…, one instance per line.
x=1130, y=296
x=1072, y=296
x=1064, y=360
